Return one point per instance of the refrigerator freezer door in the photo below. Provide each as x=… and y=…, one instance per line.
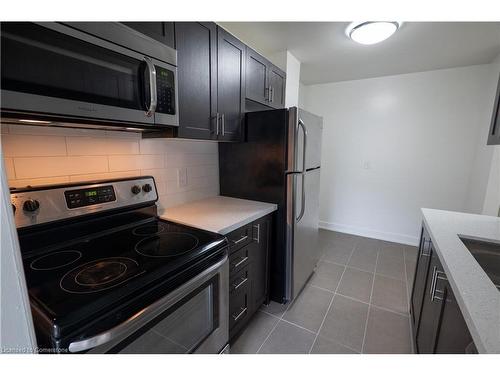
x=311, y=132
x=305, y=251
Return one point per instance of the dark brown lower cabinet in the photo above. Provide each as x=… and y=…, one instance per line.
x=248, y=272
x=438, y=324
x=423, y=261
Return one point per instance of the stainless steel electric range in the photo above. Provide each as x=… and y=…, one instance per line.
x=106, y=275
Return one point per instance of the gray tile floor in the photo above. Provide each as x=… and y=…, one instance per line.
x=356, y=302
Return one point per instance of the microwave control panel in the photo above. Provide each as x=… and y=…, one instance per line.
x=165, y=88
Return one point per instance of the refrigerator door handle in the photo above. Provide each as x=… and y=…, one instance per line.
x=303, y=200
x=302, y=125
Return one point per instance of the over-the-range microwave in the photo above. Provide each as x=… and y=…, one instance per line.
x=87, y=74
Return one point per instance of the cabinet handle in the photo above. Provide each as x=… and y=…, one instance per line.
x=436, y=275
x=243, y=281
x=217, y=118
x=241, y=313
x=243, y=260
x=422, y=250
x=257, y=226
x=267, y=95
x=243, y=238
x=223, y=125
x=271, y=94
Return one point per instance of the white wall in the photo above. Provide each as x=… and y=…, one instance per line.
x=392, y=145
x=44, y=155
x=491, y=204
x=292, y=80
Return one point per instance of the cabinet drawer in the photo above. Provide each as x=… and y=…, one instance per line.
x=238, y=305
x=240, y=237
x=238, y=260
x=239, y=280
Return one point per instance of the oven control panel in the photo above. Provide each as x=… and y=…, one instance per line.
x=37, y=205
x=89, y=196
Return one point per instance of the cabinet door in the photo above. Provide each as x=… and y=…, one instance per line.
x=259, y=262
x=453, y=336
x=257, y=77
x=494, y=135
x=160, y=31
x=431, y=309
x=277, y=79
x=421, y=272
x=197, y=77
x=230, y=85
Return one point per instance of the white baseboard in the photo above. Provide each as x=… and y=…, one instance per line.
x=366, y=232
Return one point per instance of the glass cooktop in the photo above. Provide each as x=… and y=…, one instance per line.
x=96, y=274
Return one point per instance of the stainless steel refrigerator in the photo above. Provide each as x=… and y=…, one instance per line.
x=280, y=162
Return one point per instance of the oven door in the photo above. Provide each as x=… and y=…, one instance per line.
x=192, y=319
x=58, y=71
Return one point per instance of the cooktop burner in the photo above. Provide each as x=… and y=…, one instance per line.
x=55, y=260
x=149, y=229
x=99, y=275
x=169, y=244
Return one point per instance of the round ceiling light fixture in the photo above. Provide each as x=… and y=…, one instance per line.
x=371, y=32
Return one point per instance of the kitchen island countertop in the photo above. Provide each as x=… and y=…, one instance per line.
x=218, y=214
x=477, y=296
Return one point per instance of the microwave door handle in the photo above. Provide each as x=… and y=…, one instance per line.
x=152, y=87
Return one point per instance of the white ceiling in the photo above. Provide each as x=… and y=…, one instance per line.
x=327, y=55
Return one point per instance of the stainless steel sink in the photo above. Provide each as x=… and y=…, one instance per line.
x=487, y=254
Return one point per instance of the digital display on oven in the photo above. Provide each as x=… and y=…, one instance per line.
x=87, y=197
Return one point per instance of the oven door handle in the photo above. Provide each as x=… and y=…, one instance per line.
x=134, y=322
x=150, y=110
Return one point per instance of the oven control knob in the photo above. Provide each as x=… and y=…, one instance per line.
x=31, y=205
x=136, y=189
x=147, y=188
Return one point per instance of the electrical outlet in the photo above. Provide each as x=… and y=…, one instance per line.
x=182, y=178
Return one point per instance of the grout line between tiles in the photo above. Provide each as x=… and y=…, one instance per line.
x=408, y=303
x=369, y=304
x=272, y=330
x=331, y=300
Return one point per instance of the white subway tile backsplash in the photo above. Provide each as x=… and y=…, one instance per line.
x=153, y=146
x=202, y=171
x=9, y=168
x=38, y=181
x=33, y=145
x=104, y=176
x=52, y=166
x=129, y=162
x=102, y=146
x=36, y=155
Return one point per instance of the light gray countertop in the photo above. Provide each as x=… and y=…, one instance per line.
x=477, y=296
x=218, y=214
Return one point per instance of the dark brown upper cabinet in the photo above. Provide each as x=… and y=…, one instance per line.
x=257, y=86
x=160, y=31
x=265, y=83
x=197, y=79
x=277, y=79
x=230, y=86
x=494, y=135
